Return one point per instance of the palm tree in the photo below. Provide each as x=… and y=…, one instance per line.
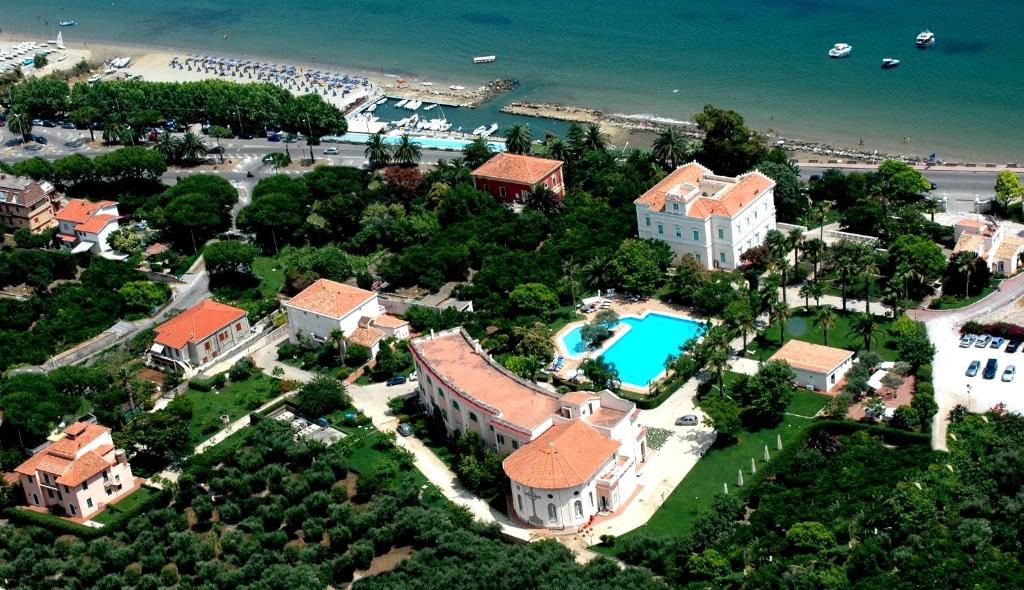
x=781, y=312
x=930, y=206
x=717, y=360
x=817, y=289
x=542, y=199
x=518, y=139
x=167, y=145
x=193, y=148
x=865, y=327
x=783, y=268
x=868, y=266
x=795, y=238
x=745, y=324
x=595, y=140
x=559, y=150
x=598, y=273
x=806, y=291
x=669, y=148
x=842, y=263
x=341, y=343
x=575, y=137
x=19, y=124
x=113, y=132
x=814, y=249
x=377, y=153
x=778, y=244
x=820, y=211
x=826, y=320
x=407, y=153
x=125, y=374
x=965, y=263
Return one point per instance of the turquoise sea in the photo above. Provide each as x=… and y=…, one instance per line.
x=765, y=58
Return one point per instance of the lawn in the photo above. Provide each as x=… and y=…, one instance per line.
x=235, y=399
x=270, y=273
x=964, y=301
x=807, y=403
x=801, y=326
x=128, y=504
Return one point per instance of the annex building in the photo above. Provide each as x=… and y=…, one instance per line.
x=510, y=177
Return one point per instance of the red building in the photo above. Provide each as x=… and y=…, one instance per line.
x=509, y=176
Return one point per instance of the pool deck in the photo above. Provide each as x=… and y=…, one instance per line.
x=624, y=308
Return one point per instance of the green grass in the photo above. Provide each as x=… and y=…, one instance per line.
x=801, y=327
x=270, y=273
x=963, y=302
x=127, y=504
x=236, y=399
x=565, y=316
x=807, y=403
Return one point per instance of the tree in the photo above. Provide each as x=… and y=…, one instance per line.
x=598, y=273
x=670, y=148
x=637, y=266
x=729, y=147
x=543, y=200
x=477, y=152
x=826, y=320
x=780, y=312
x=277, y=160
x=865, y=327
x=920, y=254
x=534, y=341
x=19, y=124
x=595, y=140
x=321, y=396
x=810, y=537
x=519, y=139
x=161, y=433
x=86, y=117
x=724, y=415
x=600, y=373
x=900, y=182
x=229, y=257
x=526, y=367
x=74, y=169
x=193, y=216
x=377, y=152
x=407, y=152
x=534, y=299
x=125, y=240
x=740, y=316
x=219, y=132
x=271, y=216
x=868, y=263
x=905, y=418
x=192, y=148
x=1008, y=189
x=558, y=149
x=143, y=296
x=771, y=390
x=915, y=348
x=791, y=204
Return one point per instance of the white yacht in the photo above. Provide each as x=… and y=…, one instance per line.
x=890, y=63
x=490, y=130
x=840, y=50
x=430, y=107
x=480, y=130
x=401, y=103
x=925, y=39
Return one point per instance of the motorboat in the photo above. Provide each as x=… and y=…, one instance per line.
x=925, y=39
x=480, y=130
x=371, y=108
x=67, y=23
x=401, y=103
x=840, y=50
x=485, y=59
x=890, y=63
x=413, y=105
x=490, y=130
x=430, y=107
x=456, y=87
x=413, y=120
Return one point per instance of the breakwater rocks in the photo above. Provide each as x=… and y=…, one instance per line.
x=559, y=112
x=492, y=89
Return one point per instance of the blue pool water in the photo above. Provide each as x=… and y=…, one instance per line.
x=640, y=355
x=427, y=142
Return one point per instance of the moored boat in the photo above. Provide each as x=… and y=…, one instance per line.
x=925, y=39
x=840, y=50
x=401, y=103
x=67, y=23
x=485, y=59
x=890, y=63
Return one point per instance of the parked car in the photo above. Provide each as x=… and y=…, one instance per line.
x=687, y=420
x=412, y=376
x=396, y=380
x=33, y=147
x=972, y=369
x=405, y=429
x=990, y=369
x=245, y=136
x=274, y=137
x=49, y=123
x=331, y=151
x=68, y=125
x=1012, y=346
x=217, y=149
x=37, y=138
x=1009, y=373
x=967, y=340
x=997, y=342
x=983, y=341
x=37, y=122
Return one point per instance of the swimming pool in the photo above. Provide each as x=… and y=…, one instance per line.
x=639, y=355
x=430, y=143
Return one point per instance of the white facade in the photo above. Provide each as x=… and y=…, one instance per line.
x=816, y=367
x=821, y=380
x=91, y=232
x=714, y=218
x=318, y=326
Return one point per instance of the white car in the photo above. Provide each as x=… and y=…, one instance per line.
x=983, y=341
x=331, y=151
x=1009, y=373
x=967, y=340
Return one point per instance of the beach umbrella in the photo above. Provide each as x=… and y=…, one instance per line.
x=767, y=455
x=753, y=466
x=725, y=488
x=778, y=441
x=739, y=477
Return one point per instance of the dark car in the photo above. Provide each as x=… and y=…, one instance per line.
x=1013, y=346
x=217, y=149
x=37, y=138
x=68, y=125
x=245, y=136
x=990, y=369
x=933, y=185
x=274, y=137
x=405, y=429
x=396, y=380
x=49, y=123
x=972, y=369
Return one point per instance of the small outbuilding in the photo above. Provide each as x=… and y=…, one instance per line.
x=817, y=367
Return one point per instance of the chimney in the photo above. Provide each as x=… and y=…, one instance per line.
x=120, y=457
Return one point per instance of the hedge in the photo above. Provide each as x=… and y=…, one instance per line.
x=1001, y=329
x=60, y=526
x=207, y=383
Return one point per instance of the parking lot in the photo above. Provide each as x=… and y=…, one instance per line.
x=979, y=392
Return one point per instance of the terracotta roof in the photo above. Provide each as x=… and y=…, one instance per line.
x=158, y=248
x=728, y=201
x=83, y=468
x=80, y=210
x=96, y=223
x=1009, y=247
x=196, y=323
x=578, y=397
x=22, y=191
x=366, y=336
x=62, y=457
x=972, y=223
x=332, y=299
x=565, y=456
x=453, y=357
x=811, y=357
x=606, y=417
x=43, y=461
x=969, y=242
x=517, y=168
x=389, y=321
x=75, y=438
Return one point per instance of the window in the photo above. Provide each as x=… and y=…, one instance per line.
x=206, y=346
x=60, y=496
x=515, y=444
x=647, y=220
x=222, y=336
x=552, y=513
x=501, y=191
x=49, y=493
x=675, y=206
x=85, y=486
x=696, y=236
x=501, y=439
x=66, y=490
x=455, y=405
x=679, y=232
x=108, y=491
x=721, y=256
x=698, y=257
x=591, y=499
x=491, y=426
x=472, y=417
x=444, y=415
x=88, y=502
x=105, y=476
x=238, y=327
x=519, y=499
x=30, y=480
x=46, y=478
x=721, y=234
x=71, y=507
x=661, y=229
x=578, y=507
x=35, y=499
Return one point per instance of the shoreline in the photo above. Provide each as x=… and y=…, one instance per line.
x=152, y=62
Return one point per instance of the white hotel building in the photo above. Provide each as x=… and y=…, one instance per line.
x=715, y=218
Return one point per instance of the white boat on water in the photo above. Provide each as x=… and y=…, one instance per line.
x=490, y=130
x=485, y=59
x=480, y=130
x=371, y=108
x=840, y=50
x=413, y=120
x=413, y=105
x=430, y=107
x=889, y=63
x=381, y=101
x=401, y=103
x=925, y=39
x=456, y=87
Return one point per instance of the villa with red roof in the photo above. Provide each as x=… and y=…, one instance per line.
x=714, y=218
x=990, y=240
x=327, y=306
x=27, y=204
x=81, y=471
x=84, y=226
x=198, y=335
x=509, y=177
x=572, y=456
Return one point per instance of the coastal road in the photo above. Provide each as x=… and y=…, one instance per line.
x=961, y=187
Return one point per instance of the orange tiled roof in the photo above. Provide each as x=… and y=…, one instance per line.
x=606, y=417
x=811, y=357
x=76, y=437
x=517, y=168
x=389, y=321
x=83, y=468
x=366, y=336
x=196, y=323
x=80, y=210
x=972, y=223
x=565, y=456
x=96, y=223
x=331, y=298
x=62, y=457
x=453, y=357
x=729, y=201
x=578, y=397
x=969, y=242
x=1009, y=247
